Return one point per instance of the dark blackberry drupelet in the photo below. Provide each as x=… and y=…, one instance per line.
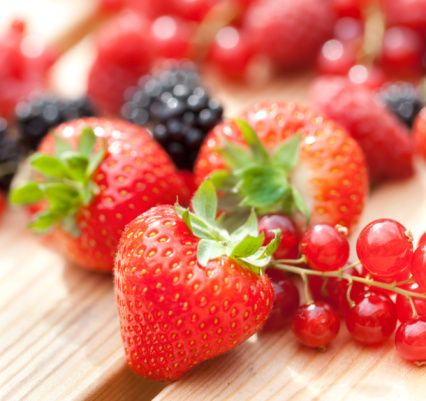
x=176, y=106
x=36, y=116
x=10, y=155
x=403, y=100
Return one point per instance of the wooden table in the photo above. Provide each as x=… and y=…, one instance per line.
x=59, y=330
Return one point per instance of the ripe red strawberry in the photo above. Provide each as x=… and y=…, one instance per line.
x=321, y=173
x=94, y=192
x=386, y=142
x=186, y=289
x=419, y=132
x=290, y=32
x=124, y=54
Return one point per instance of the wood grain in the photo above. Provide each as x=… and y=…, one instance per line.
x=59, y=330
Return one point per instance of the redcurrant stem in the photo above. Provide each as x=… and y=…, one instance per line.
x=413, y=307
x=324, y=291
x=340, y=273
x=308, y=297
x=299, y=261
x=348, y=293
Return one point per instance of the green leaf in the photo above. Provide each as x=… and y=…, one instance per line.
x=96, y=158
x=260, y=154
x=223, y=180
x=273, y=245
x=44, y=221
x=287, y=153
x=49, y=165
x=300, y=204
x=205, y=201
x=61, y=196
x=61, y=145
x=250, y=227
x=262, y=186
x=28, y=193
x=87, y=141
x=208, y=250
x=198, y=227
x=69, y=224
x=77, y=165
x=235, y=156
x=247, y=247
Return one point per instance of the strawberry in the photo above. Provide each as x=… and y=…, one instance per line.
x=89, y=194
x=186, y=289
x=289, y=32
x=386, y=142
x=300, y=163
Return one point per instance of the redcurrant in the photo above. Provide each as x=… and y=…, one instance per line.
x=404, y=310
x=336, y=57
x=324, y=247
x=397, y=278
x=316, y=324
x=384, y=247
x=286, y=300
x=333, y=290
x=288, y=247
x=418, y=266
x=410, y=340
x=373, y=318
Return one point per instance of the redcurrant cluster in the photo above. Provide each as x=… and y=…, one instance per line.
x=387, y=284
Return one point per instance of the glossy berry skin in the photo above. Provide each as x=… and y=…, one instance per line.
x=334, y=185
x=403, y=306
x=324, y=247
x=135, y=175
x=174, y=313
x=286, y=300
x=397, y=278
x=290, y=237
x=422, y=238
x=289, y=33
x=419, y=133
x=373, y=318
x=388, y=151
x=410, y=340
x=336, y=57
x=333, y=290
x=384, y=248
x=418, y=265
x=408, y=13
x=315, y=325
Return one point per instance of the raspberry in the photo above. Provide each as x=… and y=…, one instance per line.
x=37, y=115
x=125, y=53
x=386, y=142
x=178, y=107
x=403, y=100
x=290, y=32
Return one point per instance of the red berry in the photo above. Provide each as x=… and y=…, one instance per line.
x=315, y=325
x=286, y=300
x=404, y=309
x=373, y=318
x=348, y=8
x=333, y=290
x=384, y=247
x=336, y=57
x=422, y=238
x=388, y=150
x=231, y=53
x=402, y=52
x=371, y=77
x=324, y=247
x=419, y=131
x=290, y=238
x=409, y=13
x=348, y=29
x=289, y=32
x=170, y=37
x=410, y=340
x=418, y=265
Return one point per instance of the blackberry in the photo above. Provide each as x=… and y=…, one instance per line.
x=403, y=100
x=10, y=155
x=36, y=116
x=179, y=110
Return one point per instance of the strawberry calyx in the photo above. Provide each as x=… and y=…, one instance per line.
x=63, y=180
x=258, y=179
x=244, y=245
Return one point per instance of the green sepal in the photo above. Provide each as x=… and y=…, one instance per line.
x=247, y=246
x=205, y=201
x=287, y=153
x=223, y=179
x=300, y=204
x=28, y=193
x=208, y=249
x=235, y=156
x=49, y=165
x=64, y=180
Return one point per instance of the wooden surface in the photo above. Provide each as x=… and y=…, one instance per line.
x=59, y=330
